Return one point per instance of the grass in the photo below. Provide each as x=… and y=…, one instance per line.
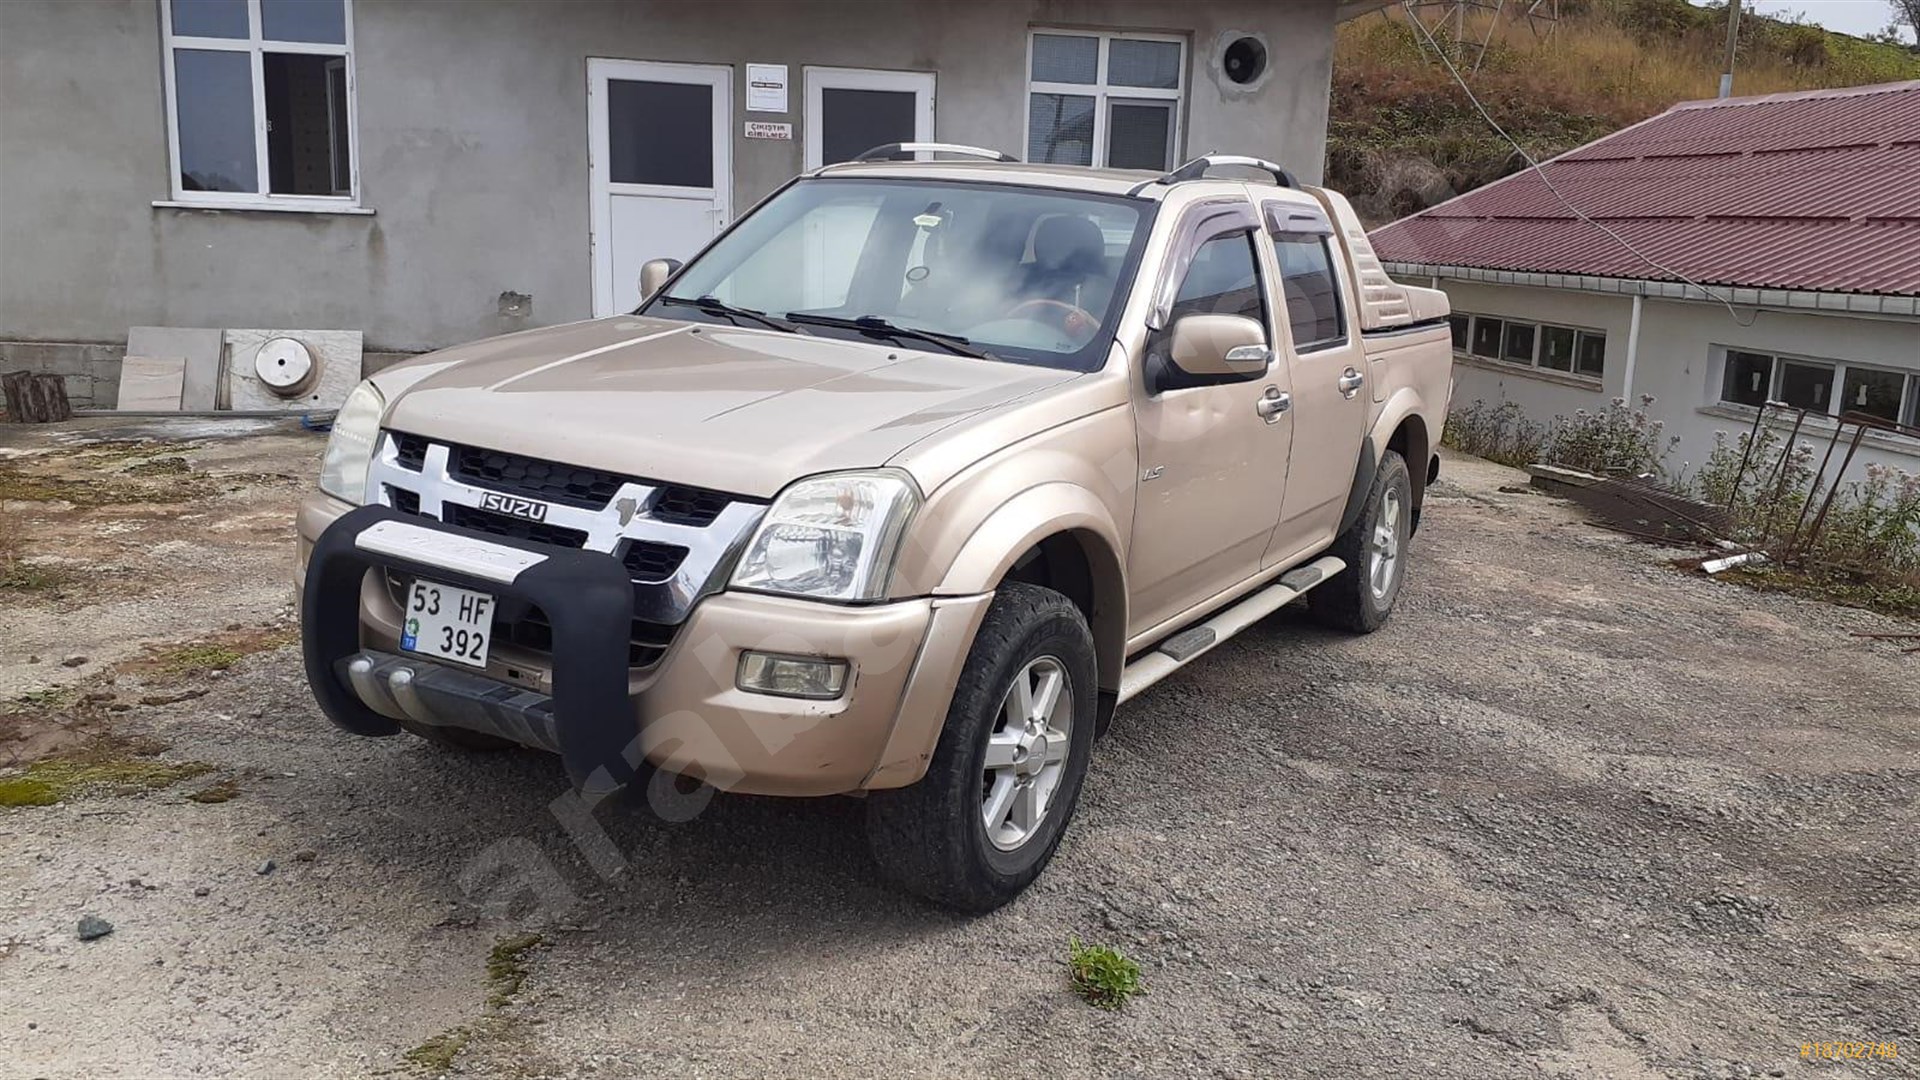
x=506, y=973
x=50, y=699
x=45, y=783
x=1103, y=975
x=1900, y=598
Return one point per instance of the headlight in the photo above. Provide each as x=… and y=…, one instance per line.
x=343, y=472
x=831, y=537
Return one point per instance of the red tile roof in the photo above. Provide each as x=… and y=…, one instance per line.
x=1818, y=191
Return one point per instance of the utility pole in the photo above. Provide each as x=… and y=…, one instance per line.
x=1733, y=46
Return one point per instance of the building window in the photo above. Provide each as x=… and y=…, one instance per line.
x=1821, y=386
x=1565, y=349
x=1486, y=337
x=1105, y=99
x=260, y=101
x=1313, y=294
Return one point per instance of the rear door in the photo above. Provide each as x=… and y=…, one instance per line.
x=1330, y=399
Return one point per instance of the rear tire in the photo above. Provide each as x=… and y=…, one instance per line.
x=1007, y=771
x=1374, y=547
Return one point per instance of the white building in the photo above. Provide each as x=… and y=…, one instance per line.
x=1801, y=211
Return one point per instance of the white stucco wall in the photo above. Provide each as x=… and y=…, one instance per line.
x=1681, y=353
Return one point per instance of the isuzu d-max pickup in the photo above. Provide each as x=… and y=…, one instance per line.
x=899, y=488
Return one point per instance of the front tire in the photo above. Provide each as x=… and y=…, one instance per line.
x=1374, y=548
x=1007, y=771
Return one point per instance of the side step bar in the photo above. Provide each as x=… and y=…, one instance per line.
x=1190, y=644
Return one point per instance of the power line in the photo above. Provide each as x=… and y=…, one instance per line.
x=1576, y=211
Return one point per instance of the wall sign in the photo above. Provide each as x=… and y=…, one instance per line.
x=767, y=88
x=761, y=129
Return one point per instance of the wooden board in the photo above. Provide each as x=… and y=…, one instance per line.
x=152, y=383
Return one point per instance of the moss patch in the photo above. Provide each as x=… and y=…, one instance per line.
x=435, y=1056
x=219, y=792
x=105, y=474
x=507, y=968
x=45, y=783
x=216, y=653
x=506, y=972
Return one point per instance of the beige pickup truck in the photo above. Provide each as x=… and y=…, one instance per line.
x=899, y=488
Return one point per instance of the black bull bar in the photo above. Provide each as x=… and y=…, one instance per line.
x=585, y=595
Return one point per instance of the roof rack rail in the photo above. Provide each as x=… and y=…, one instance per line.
x=892, y=151
x=1197, y=170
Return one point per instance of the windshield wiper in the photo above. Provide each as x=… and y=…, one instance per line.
x=713, y=305
x=873, y=324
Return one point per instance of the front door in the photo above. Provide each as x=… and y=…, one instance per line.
x=1213, y=457
x=660, y=165
x=852, y=110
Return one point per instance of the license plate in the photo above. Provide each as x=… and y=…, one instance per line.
x=448, y=623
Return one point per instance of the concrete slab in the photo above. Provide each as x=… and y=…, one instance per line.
x=200, y=347
x=152, y=383
x=335, y=353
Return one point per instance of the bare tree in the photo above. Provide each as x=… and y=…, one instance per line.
x=1906, y=13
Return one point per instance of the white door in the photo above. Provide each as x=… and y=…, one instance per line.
x=853, y=110
x=659, y=136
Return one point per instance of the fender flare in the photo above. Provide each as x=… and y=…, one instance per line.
x=1403, y=404
x=1031, y=516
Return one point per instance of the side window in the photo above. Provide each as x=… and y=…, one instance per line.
x=1224, y=279
x=1312, y=291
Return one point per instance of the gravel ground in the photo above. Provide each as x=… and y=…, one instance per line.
x=1571, y=813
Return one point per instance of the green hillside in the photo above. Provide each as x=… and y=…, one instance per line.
x=1404, y=137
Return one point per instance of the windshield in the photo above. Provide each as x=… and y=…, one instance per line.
x=1011, y=273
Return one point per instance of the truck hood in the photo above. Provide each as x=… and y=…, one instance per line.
x=732, y=409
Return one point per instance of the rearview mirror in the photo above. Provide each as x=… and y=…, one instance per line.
x=653, y=274
x=1214, y=348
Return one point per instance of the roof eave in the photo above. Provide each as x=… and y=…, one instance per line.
x=1795, y=300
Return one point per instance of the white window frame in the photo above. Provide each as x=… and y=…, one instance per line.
x=1103, y=94
x=1908, y=410
x=254, y=45
x=921, y=84
x=1539, y=342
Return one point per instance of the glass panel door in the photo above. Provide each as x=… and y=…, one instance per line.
x=851, y=110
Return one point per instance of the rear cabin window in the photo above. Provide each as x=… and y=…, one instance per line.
x=1312, y=291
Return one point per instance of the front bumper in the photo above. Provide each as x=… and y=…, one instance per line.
x=684, y=713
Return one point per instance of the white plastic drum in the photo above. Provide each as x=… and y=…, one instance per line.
x=285, y=366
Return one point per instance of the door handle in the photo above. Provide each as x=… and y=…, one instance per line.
x=1274, y=402
x=1350, y=383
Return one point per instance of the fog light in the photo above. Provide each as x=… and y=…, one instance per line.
x=791, y=676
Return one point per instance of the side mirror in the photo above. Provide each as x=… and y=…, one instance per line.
x=653, y=274
x=1219, y=348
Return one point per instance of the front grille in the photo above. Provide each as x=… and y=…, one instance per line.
x=486, y=521
x=412, y=450
x=688, y=505
x=588, y=489
x=652, y=562
x=695, y=516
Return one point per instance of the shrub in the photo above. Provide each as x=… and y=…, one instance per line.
x=1499, y=433
x=1615, y=440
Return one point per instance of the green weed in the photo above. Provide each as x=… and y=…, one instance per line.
x=1101, y=974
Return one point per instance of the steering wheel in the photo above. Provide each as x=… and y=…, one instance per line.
x=1074, y=319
